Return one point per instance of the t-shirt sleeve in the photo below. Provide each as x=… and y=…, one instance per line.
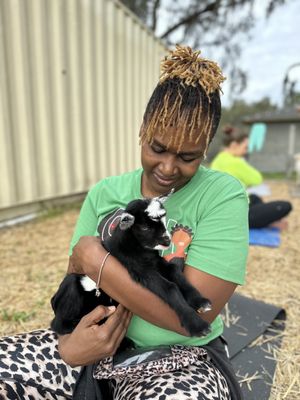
x=87, y=222
x=220, y=243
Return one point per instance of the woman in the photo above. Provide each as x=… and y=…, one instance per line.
x=180, y=121
x=231, y=160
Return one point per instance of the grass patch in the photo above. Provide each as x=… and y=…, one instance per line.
x=54, y=211
x=17, y=316
x=278, y=175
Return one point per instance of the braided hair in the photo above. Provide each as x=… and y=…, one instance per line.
x=188, y=96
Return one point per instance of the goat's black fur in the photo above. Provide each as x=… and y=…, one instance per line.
x=133, y=243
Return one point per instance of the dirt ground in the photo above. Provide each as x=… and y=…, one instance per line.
x=34, y=260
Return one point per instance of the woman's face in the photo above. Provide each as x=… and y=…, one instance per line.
x=164, y=168
x=241, y=148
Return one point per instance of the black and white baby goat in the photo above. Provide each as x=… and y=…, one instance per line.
x=135, y=242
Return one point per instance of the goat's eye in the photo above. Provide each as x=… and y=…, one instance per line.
x=144, y=228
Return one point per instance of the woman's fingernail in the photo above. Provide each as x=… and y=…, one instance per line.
x=111, y=308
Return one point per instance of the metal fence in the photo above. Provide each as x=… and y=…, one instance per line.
x=75, y=76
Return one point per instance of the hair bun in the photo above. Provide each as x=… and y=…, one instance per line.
x=228, y=130
x=187, y=65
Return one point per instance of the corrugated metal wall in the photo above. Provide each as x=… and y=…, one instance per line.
x=75, y=76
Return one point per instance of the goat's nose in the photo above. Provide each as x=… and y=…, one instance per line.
x=167, y=239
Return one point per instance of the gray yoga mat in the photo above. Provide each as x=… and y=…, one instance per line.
x=249, y=320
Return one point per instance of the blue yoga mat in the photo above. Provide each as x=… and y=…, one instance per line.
x=269, y=237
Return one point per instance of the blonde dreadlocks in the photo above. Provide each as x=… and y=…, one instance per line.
x=187, y=95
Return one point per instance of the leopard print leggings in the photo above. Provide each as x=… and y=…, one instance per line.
x=31, y=369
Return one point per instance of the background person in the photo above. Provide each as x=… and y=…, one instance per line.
x=231, y=160
x=180, y=121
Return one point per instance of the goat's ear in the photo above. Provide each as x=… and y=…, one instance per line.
x=164, y=197
x=126, y=221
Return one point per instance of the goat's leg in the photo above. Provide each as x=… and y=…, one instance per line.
x=67, y=304
x=170, y=294
x=173, y=273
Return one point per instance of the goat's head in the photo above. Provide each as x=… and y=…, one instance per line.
x=146, y=219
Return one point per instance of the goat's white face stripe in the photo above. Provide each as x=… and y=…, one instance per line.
x=155, y=210
x=164, y=221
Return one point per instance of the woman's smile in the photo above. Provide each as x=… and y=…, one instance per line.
x=164, y=181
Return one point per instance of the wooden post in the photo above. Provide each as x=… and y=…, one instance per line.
x=291, y=150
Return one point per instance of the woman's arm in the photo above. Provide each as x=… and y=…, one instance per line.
x=217, y=290
x=87, y=256
x=249, y=175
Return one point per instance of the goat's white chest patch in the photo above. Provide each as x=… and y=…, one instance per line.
x=155, y=210
x=87, y=284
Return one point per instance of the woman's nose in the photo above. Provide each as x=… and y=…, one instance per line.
x=168, y=166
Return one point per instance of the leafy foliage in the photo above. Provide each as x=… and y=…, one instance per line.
x=16, y=316
x=291, y=93
x=234, y=115
x=223, y=25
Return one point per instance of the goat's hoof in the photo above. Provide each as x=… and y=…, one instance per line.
x=206, y=306
x=196, y=326
x=200, y=332
x=205, y=331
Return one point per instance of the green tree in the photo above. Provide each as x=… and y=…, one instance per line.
x=291, y=94
x=294, y=100
x=234, y=115
x=239, y=109
x=221, y=24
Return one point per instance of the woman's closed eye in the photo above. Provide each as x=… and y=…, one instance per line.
x=187, y=159
x=157, y=149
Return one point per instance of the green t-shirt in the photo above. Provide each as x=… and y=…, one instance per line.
x=237, y=167
x=207, y=219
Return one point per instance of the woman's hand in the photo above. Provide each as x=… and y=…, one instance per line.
x=90, y=342
x=86, y=256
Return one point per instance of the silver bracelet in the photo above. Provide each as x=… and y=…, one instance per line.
x=98, y=292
